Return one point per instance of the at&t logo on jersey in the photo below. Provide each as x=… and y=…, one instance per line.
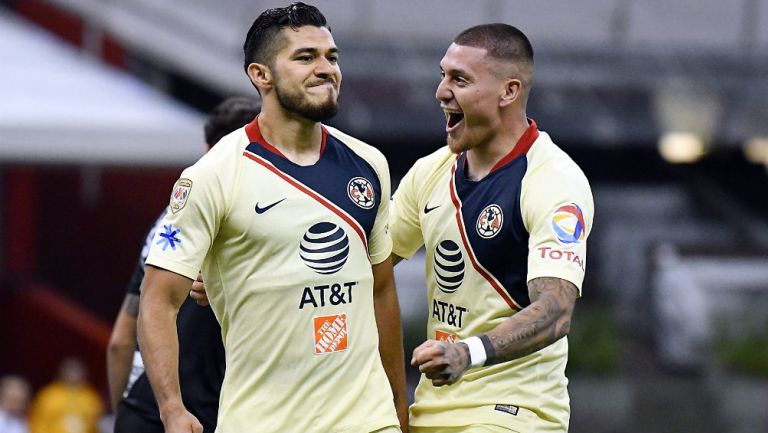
x=360, y=191
x=568, y=224
x=490, y=220
x=449, y=266
x=324, y=248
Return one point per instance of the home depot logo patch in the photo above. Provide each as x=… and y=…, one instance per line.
x=330, y=333
x=445, y=337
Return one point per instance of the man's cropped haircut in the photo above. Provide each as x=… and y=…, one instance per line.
x=502, y=41
x=229, y=115
x=260, y=44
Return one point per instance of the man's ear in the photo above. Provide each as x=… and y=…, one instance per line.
x=260, y=76
x=511, y=92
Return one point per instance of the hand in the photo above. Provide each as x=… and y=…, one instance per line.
x=182, y=421
x=198, y=291
x=442, y=362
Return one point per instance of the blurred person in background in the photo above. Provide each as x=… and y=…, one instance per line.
x=14, y=399
x=504, y=215
x=287, y=220
x=68, y=405
x=201, y=352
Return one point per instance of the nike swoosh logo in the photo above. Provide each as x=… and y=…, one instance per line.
x=428, y=209
x=261, y=210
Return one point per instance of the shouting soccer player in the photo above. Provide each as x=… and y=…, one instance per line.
x=504, y=215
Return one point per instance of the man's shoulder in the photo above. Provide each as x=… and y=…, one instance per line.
x=358, y=146
x=547, y=158
x=368, y=153
x=222, y=159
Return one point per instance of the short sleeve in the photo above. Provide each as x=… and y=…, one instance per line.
x=404, y=224
x=197, y=206
x=558, y=212
x=380, y=244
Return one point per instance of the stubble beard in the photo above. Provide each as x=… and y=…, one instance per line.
x=299, y=104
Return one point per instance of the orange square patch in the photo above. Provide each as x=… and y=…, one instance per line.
x=445, y=336
x=330, y=333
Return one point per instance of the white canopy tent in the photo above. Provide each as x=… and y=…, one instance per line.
x=58, y=106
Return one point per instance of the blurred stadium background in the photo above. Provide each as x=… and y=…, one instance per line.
x=663, y=105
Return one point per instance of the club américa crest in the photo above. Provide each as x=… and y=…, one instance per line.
x=360, y=191
x=490, y=221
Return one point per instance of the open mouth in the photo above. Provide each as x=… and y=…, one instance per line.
x=454, y=119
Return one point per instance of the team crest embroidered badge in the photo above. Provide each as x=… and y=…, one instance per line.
x=180, y=194
x=360, y=191
x=489, y=222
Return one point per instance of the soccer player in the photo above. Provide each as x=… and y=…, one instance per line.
x=201, y=352
x=504, y=216
x=287, y=219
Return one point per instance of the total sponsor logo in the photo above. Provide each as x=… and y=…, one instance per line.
x=568, y=224
x=331, y=333
x=555, y=254
x=446, y=312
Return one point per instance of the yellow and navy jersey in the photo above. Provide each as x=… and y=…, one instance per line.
x=484, y=240
x=286, y=254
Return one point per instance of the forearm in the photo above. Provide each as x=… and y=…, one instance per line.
x=160, y=351
x=387, y=314
x=122, y=345
x=119, y=365
x=544, y=321
x=160, y=302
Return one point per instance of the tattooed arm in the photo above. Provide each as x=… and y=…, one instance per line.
x=544, y=321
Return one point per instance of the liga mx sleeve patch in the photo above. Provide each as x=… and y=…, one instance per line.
x=181, y=192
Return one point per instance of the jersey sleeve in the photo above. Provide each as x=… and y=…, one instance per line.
x=558, y=210
x=404, y=224
x=197, y=206
x=380, y=243
x=134, y=284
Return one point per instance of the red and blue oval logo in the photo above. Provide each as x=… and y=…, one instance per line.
x=568, y=224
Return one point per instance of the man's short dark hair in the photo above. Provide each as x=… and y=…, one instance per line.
x=502, y=41
x=229, y=115
x=260, y=45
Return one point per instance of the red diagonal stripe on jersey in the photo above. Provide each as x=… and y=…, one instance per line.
x=298, y=185
x=478, y=267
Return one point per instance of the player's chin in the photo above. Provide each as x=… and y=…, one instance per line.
x=456, y=145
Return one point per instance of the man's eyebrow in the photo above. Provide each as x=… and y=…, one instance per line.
x=454, y=71
x=313, y=50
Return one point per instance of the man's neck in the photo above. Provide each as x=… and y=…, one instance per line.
x=483, y=158
x=298, y=138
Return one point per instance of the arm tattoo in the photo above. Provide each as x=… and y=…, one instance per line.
x=544, y=321
x=131, y=305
